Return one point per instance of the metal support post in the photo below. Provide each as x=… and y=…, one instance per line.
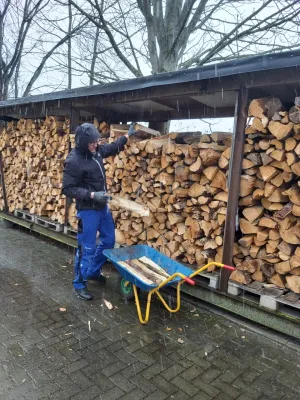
x=74, y=122
x=234, y=178
x=3, y=183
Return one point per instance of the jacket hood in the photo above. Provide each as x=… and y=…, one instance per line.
x=85, y=134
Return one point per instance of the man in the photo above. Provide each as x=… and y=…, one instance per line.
x=84, y=179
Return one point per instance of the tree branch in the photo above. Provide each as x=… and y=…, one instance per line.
x=229, y=38
x=47, y=56
x=110, y=36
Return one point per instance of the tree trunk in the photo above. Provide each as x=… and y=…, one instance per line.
x=70, y=48
x=94, y=59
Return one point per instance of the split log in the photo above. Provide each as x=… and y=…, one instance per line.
x=279, y=130
x=294, y=283
x=240, y=277
x=268, y=172
x=278, y=280
x=294, y=114
x=246, y=185
x=253, y=213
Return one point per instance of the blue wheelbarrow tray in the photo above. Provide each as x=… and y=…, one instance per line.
x=140, y=250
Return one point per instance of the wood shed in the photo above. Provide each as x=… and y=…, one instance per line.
x=213, y=91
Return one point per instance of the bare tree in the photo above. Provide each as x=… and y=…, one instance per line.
x=16, y=17
x=28, y=40
x=49, y=54
x=165, y=35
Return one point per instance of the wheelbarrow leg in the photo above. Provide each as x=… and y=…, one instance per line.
x=138, y=307
x=156, y=290
x=178, y=299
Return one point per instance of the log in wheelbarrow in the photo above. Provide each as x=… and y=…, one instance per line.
x=132, y=280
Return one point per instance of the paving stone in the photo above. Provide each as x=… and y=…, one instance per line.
x=152, y=371
x=198, y=360
x=89, y=394
x=112, y=394
x=102, y=381
x=143, y=384
x=62, y=379
x=46, y=333
x=114, y=368
x=211, y=374
x=179, y=395
x=164, y=385
x=49, y=342
x=38, y=377
x=81, y=379
x=134, y=369
x=153, y=347
x=6, y=385
x=243, y=397
x=172, y=372
x=120, y=344
x=81, y=344
x=157, y=395
x=75, y=366
x=48, y=390
x=89, y=356
x=201, y=396
x=135, y=394
x=230, y=375
x=123, y=383
x=222, y=396
x=12, y=393
x=191, y=373
x=179, y=359
x=206, y=387
x=137, y=345
x=126, y=357
x=185, y=386
x=93, y=368
x=226, y=388
x=143, y=357
x=248, y=389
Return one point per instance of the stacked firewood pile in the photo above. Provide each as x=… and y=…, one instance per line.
x=184, y=186
x=182, y=178
x=33, y=153
x=269, y=206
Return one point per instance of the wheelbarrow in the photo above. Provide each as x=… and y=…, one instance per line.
x=132, y=283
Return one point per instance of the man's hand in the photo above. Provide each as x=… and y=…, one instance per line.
x=101, y=197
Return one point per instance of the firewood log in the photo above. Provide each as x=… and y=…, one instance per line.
x=293, y=283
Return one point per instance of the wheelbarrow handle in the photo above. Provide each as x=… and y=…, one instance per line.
x=189, y=281
x=228, y=267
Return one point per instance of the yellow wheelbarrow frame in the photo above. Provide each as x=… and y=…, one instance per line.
x=145, y=319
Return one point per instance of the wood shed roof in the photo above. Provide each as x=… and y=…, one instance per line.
x=203, y=92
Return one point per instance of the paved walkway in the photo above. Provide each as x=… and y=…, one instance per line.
x=90, y=352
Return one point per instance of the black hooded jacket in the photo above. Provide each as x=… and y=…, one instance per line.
x=84, y=172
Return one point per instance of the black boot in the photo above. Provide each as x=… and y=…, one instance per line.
x=84, y=294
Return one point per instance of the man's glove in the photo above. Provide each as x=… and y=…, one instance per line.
x=131, y=131
x=101, y=198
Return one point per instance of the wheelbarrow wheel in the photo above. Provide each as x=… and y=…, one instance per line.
x=127, y=290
